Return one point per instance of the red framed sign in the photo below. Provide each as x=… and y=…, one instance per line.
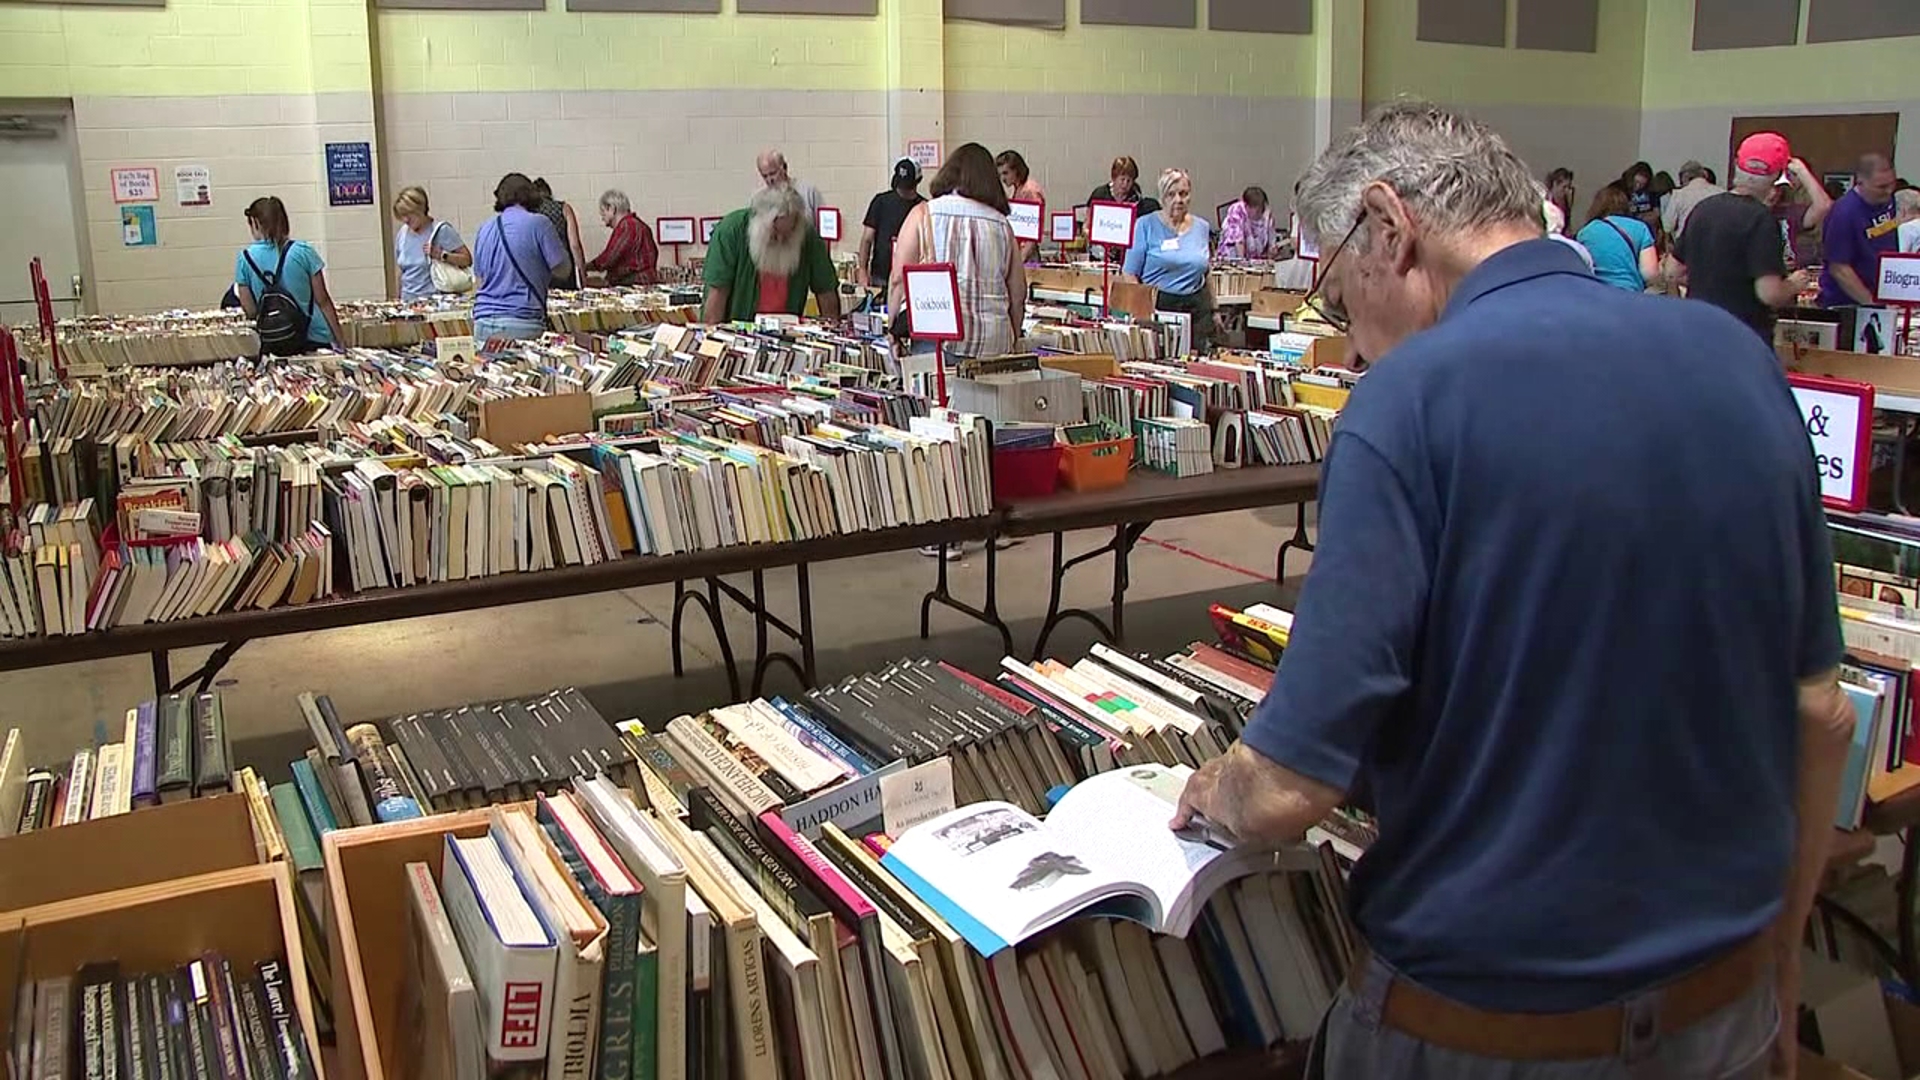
x=1110, y=224
x=1066, y=228
x=827, y=221
x=1899, y=284
x=707, y=226
x=933, y=302
x=1025, y=215
x=674, y=231
x=1838, y=416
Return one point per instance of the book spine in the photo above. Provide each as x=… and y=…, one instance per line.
x=201, y=1053
x=662, y=761
x=646, y=1017
x=727, y=771
x=262, y=1061
x=113, y=1024
x=145, y=755
x=813, y=728
x=212, y=774
x=153, y=991
x=132, y=1030
x=92, y=1052
x=313, y=798
x=390, y=802
x=288, y=1037
x=175, y=739
x=36, y=807
x=791, y=900
x=620, y=1002
x=53, y=1037
x=216, y=1018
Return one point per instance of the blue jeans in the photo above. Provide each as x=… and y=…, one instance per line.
x=1732, y=1044
x=512, y=327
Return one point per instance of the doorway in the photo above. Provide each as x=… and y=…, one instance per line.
x=1829, y=144
x=38, y=163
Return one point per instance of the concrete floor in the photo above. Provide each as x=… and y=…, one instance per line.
x=615, y=646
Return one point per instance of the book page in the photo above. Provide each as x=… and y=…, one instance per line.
x=1120, y=819
x=997, y=874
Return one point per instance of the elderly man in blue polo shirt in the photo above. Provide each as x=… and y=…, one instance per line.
x=1570, y=634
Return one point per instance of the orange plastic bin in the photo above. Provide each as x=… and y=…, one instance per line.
x=1096, y=466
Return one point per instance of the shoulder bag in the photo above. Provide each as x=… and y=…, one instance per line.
x=447, y=278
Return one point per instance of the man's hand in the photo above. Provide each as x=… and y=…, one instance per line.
x=1801, y=279
x=1255, y=798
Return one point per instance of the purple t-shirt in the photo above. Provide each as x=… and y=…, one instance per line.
x=536, y=251
x=1857, y=234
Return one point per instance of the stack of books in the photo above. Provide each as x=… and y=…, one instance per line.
x=162, y=751
x=93, y=343
x=209, y=1017
x=1877, y=575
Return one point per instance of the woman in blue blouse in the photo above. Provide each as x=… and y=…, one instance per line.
x=1172, y=252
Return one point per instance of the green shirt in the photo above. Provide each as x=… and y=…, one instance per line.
x=730, y=266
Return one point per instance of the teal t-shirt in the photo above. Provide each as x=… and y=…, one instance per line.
x=1616, y=257
x=297, y=279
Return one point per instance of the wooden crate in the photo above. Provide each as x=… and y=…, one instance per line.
x=367, y=893
x=154, y=844
x=246, y=914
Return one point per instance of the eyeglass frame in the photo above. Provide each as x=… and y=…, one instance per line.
x=1339, y=320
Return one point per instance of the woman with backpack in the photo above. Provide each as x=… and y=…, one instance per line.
x=516, y=255
x=429, y=252
x=281, y=284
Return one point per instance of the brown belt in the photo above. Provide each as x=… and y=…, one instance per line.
x=1591, y=1033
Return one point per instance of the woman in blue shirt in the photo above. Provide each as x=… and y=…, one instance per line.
x=420, y=241
x=1621, y=245
x=1172, y=251
x=517, y=256
x=297, y=268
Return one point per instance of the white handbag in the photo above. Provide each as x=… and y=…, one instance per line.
x=447, y=278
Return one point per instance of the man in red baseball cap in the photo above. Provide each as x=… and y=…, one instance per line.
x=1732, y=249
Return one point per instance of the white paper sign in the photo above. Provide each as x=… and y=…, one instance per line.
x=458, y=347
x=1025, y=219
x=924, y=153
x=676, y=230
x=919, y=794
x=1833, y=421
x=136, y=185
x=1064, y=228
x=1112, y=225
x=193, y=185
x=1899, y=279
x=934, y=303
x=829, y=223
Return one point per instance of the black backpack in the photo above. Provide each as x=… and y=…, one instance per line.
x=279, y=319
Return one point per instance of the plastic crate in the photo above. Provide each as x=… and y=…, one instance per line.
x=1026, y=474
x=1096, y=466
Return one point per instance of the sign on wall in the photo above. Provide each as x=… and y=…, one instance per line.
x=193, y=185
x=350, y=174
x=136, y=185
x=137, y=228
x=924, y=153
x=1839, y=419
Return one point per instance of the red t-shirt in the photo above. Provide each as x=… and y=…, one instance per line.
x=773, y=294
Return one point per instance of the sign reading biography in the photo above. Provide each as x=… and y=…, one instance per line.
x=349, y=174
x=1112, y=224
x=933, y=302
x=1839, y=419
x=1899, y=283
x=1025, y=216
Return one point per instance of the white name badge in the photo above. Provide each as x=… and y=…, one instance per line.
x=1838, y=417
x=1025, y=217
x=1171, y=243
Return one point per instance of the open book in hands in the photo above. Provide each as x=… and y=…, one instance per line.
x=999, y=875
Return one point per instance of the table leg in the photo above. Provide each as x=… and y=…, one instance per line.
x=710, y=603
x=1124, y=538
x=162, y=677
x=765, y=658
x=1298, y=541
x=989, y=614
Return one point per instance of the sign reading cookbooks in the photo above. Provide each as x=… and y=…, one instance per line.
x=1839, y=420
x=933, y=302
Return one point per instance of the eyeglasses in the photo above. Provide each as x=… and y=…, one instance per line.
x=1336, y=316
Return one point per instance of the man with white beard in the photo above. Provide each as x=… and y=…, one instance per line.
x=765, y=259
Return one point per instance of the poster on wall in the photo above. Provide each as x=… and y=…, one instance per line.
x=924, y=153
x=349, y=174
x=193, y=185
x=137, y=228
x=136, y=185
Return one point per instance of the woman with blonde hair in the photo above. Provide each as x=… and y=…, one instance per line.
x=420, y=241
x=1172, y=251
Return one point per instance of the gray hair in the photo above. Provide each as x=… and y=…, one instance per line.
x=1751, y=183
x=616, y=201
x=1692, y=171
x=1906, y=204
x=778, y=202
x=1170, y=178
x=1455, y=173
